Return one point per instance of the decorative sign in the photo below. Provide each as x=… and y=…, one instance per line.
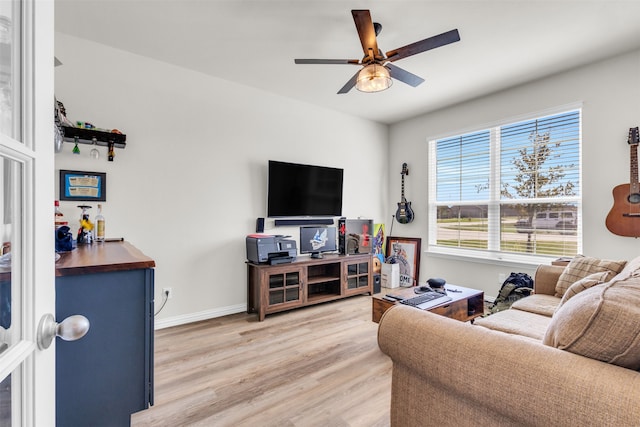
x=406, y=252
x=83, y=186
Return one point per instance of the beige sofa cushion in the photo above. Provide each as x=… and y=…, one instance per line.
x=582, y=266
x=602, y=323
x=516, y=322
x=542, y=304
x=585, y=283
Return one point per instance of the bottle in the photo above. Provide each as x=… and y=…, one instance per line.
x=59, y=216
x=112, y=153
x=99, y=225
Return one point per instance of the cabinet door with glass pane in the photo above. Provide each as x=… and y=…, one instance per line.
x=357, y=275
x=285, y=287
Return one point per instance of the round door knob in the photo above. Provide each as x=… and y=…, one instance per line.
x=70, y=329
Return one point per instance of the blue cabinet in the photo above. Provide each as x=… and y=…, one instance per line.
x=107, y=375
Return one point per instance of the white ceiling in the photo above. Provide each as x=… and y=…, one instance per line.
x=503, y=43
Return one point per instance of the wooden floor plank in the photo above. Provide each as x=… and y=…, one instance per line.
x=315, y=366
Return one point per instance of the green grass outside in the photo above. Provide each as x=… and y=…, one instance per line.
x=553, y=248
x=482, y=225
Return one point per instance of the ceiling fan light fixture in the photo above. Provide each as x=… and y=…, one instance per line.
x=373, y=78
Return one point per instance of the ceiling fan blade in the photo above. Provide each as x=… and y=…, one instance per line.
x=366, y=32
x=424, y=45
x=327, y=61
x=350, y=84
x=404, y=76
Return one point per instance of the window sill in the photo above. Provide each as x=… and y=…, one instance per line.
x=487, y=257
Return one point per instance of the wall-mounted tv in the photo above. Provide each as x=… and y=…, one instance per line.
x=297, y=190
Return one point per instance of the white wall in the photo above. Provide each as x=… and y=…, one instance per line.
x=192, y=180
x=610, y=93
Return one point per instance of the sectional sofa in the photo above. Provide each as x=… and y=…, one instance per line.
x=568, y=355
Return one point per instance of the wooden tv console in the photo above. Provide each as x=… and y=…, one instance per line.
x=306, y=281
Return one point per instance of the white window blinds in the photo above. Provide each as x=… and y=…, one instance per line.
x=513, y=188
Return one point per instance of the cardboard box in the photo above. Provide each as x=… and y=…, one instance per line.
x=390, y=275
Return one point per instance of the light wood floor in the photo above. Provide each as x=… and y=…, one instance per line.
x=314, y=366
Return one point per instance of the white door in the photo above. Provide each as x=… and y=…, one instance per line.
x=27, y=374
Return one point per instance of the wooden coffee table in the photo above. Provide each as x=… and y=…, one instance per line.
x=465, y=305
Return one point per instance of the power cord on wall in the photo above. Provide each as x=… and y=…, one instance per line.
x=166, y=298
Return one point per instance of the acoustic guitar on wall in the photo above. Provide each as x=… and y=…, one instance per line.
x=624, y=217
x=404, y=214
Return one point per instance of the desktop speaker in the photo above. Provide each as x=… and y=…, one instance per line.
x=376, y=283
x=260, y=225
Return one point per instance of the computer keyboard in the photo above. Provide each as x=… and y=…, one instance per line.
x=422, y=298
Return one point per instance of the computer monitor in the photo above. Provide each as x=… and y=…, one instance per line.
x=316, y=240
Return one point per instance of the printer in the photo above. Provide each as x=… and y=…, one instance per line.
x=265, y=248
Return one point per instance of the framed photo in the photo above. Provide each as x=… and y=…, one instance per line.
x=83, y=186
x=405, y=251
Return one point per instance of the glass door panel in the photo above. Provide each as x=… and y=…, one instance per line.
x=10, y=69
x=12, y=339
x=10, y=268
x=363, y=268
x=293, y=294
x=293, y=278
x=276, y=280
x=363, y=281
x=10, y=391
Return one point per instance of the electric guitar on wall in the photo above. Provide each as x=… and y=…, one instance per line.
x=624, y=217
x=404, y=214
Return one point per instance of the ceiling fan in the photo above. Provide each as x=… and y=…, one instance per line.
x=377, y=68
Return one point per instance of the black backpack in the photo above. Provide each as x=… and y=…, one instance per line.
x=517, y=285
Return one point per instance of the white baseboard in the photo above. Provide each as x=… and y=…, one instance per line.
x=219, y=312
x=202, y=315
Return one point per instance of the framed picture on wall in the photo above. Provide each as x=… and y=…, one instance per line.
x=405, y=251
x=83, y=186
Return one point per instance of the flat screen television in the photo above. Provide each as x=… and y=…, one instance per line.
x=317, y=240
x=297, y=190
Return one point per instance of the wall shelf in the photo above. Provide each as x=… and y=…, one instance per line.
x=93, y=137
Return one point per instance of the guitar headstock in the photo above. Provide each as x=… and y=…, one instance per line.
x=633, y=136
x=405, y=170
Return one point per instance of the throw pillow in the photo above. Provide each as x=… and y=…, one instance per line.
x=602, y=323
x=585, y=283
x=632, y=268
x=582, y=266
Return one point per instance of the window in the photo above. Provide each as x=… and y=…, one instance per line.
x=512, y=189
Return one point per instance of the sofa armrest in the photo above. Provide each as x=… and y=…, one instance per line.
x=546, y=277
x=473, y=374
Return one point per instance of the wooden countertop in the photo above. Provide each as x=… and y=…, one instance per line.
x=101, y=258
